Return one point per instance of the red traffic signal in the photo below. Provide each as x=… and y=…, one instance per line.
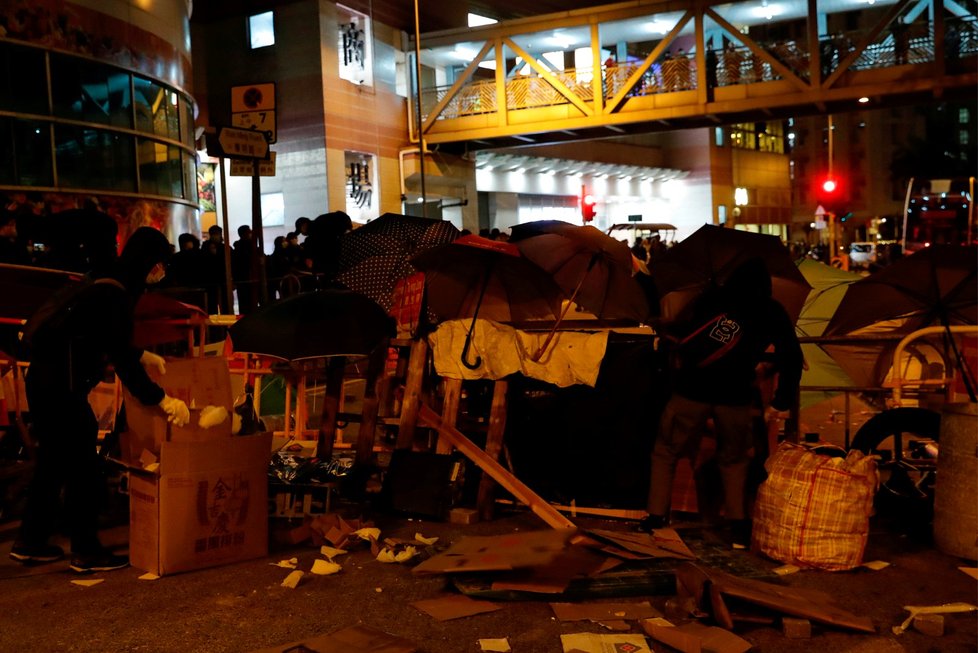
x=587, y=207
x=829, y=185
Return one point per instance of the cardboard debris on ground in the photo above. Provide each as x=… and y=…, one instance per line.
x=710, y=586
x=331, y=552
x=291, y=563
x=555, y=576
x=454, y=606
x=325, y=567
x=662, y=543
x=494, y=645
x=498, y=552
x=88, y=583
x=149, y=576
x=592, y=643
x=354, y=639
x=785, y=570
x=696, y=638
x=971, y=571
x=292, y=580
x=876, y=565
x=599, y=612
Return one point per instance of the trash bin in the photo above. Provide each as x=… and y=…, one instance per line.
x=955, y=505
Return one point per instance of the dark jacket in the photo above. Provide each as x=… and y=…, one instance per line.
x=717, y=351
x=92, y=328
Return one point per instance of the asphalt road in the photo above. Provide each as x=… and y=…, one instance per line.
x=241, y=607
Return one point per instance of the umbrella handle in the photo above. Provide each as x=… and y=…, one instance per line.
x=465, y=353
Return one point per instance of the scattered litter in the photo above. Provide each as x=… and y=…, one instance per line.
x=149, y=576
x=368, y=534
x=352, y=639
x=292, y=580
x=495, y=645
x=88, y=583
x=331, y=552
x=455, y=606
x=929, y=624
x=152, y=467
x=604, y=612
x=378, y=589
x=876, y=565
x=695, y=637
x=796, y=628
x=391, y=555
x=971, y=571
x=784, y=570
x=425, y=540
x=325, y=567
x=591, y=643
x=916, y=610
x=291, y=563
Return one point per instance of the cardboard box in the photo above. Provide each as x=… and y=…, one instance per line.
x=206, y=503
x=200, y=382
x=207, y=506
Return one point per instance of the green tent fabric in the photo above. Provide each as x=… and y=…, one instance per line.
x=828, y=287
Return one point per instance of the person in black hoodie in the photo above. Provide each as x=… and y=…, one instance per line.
x=716, y=353
x=72, y=341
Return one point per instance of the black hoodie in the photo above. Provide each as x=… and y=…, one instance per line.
x=92, y=328
x=731, y=328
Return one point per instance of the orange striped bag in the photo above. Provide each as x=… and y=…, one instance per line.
x=813, y=510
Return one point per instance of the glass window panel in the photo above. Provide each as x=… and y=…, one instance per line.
x=187, y=121
x=261, y=30
x=25, y=153
x=160, y=169
x=190, y=177
x=23, y=80
x=95, y=159
x=157, y=109
x=84, y=90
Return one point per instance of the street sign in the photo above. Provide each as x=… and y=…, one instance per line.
x=246, y=168
x=252, y=97
x=237, y=143
x=262, y=121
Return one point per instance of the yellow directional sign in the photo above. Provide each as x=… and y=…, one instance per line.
x=245, y=168
x=240, y=143
x=262, y=121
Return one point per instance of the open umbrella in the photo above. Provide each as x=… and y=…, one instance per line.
x=374, y=257
x=160, y=318
x=829, y=285
x=936, y=286
x=25, y=288
x=708, y=256
x=476, y=277
x=594, y=270
x=310, y=325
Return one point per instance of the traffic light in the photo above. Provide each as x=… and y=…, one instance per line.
x=587, y=206
x=829, y=185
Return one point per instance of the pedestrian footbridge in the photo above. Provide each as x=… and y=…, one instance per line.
x=649, y=66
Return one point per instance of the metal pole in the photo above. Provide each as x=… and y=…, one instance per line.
x=227, y=242
x=417, y=75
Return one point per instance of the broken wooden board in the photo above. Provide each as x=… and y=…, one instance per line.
x=807, y=604
x=498, y=552
x=697, y=638
x=663, y=543
x=454, y=606
x=353, y=639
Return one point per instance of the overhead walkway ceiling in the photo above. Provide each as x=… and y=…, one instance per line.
x=639, y=67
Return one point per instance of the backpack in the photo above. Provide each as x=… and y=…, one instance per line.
x=53, y=313
x=709, y=342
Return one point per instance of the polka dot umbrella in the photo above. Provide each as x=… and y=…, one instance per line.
x=376, y=256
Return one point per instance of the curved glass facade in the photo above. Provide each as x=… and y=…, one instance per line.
x=71, y=123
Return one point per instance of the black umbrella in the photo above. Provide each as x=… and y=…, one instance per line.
x=376, y=256
x=707, y=257
x=476, y=277
x=314, y=325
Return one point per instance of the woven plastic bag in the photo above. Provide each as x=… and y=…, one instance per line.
x=813, y=510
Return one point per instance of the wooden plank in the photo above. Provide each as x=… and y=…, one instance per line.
x=412, y=393
x=494, y=445
x=331, y=407
x=449, y=411
x=509, y=482
x=368, y=415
